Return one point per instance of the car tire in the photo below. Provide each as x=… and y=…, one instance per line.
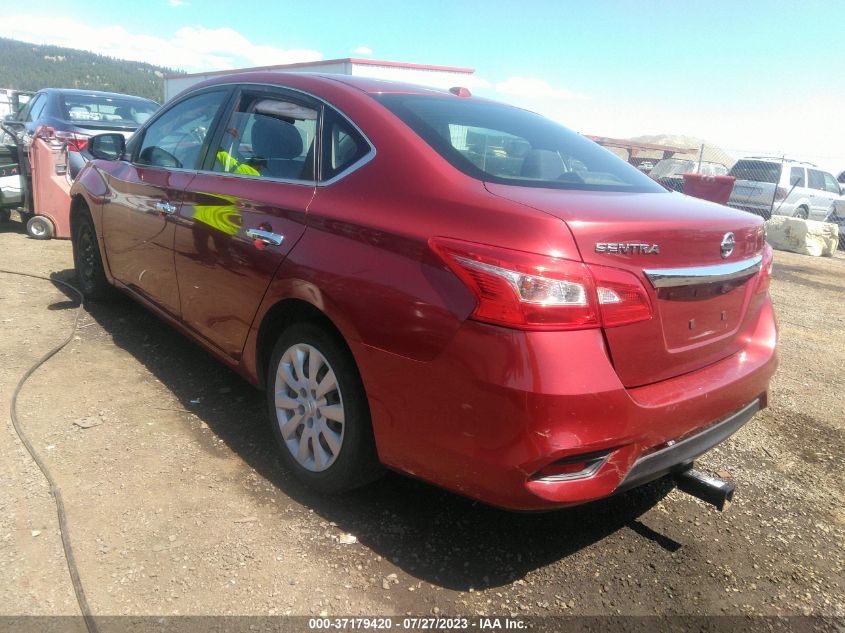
x=5, y=215
x=39, y=227
x=90, y=274
x=802, y=213
x=321, y=422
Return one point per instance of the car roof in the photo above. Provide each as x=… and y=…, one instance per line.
x=94, y=93
x=779, y=160
x=365, y=84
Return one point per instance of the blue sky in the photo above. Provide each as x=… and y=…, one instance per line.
x=753, y=75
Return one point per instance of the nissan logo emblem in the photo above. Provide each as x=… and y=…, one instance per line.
x=727, y=245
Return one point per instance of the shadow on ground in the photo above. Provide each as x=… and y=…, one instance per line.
x=432, y=534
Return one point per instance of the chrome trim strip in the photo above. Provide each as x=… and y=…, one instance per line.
x=588, y=472
x=366, y=158
x=696, y=275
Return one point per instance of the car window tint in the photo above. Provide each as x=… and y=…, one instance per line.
x=499, y=143
x=123, y=111
x=35, y=108
x=268, y=138
x=830, y=183
x=175, y=139
x=797, y=177
x=816, y=179
x=343, y=146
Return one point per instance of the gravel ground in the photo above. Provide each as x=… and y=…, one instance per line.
x=177, y=503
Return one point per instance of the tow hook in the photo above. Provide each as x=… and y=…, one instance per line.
x=708, y=488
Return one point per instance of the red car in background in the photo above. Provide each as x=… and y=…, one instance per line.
x=439, y=284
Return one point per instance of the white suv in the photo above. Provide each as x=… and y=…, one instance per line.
x=772, y=186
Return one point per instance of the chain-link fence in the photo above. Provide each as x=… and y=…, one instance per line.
x=763, y=183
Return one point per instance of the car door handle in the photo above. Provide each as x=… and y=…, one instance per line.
x=165, y=208
x=265, y=236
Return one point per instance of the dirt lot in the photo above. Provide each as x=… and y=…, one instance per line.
x=178, y=505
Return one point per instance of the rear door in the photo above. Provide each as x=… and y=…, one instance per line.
x=819, y=201
x=146, y=192
x=832, y=193
x=244, y=212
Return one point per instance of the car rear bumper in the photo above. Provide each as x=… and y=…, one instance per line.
x=498, y=405
x=677, y=453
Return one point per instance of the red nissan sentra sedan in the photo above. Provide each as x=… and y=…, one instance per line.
x=435, y=283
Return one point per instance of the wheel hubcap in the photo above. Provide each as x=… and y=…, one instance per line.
x=309, y=407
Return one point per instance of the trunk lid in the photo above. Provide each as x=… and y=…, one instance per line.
x=697, y=320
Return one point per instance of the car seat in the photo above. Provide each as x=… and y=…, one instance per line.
x=279, y=145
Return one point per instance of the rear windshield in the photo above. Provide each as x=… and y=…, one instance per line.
x=502, y=144
x=756, y=170
x=672, y=167
x=121, y=111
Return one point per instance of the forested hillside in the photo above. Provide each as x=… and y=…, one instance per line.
x=27, y=66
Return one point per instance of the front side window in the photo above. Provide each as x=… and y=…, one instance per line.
x=502, y=144
x=816, y=179
x=175, y=139
x=796, y=177
x=268, y=137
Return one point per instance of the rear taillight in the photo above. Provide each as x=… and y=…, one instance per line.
x=780, y=193
x=537, y=292
x=621, y=297
x=765, y=277
x=74, y=141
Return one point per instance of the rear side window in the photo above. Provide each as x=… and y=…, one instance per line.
x=757, y=171
x=34, y=108
x=81, y=109
x=830, y=183
x=816, y=179
x=797, y=177
x=268, y=137
x=498, y=143
x=343, y=145
x=175, y=139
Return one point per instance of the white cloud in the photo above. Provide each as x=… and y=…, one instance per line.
x=363, y=50
x=177, y=3
x=535, y=88
x=191, y=48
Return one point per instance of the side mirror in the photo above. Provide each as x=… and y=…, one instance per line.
x=107, y=146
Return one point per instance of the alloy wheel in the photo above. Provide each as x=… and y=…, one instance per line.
x=87, y=256
x=309, y=407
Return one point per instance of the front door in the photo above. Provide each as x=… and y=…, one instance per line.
x=145, y=194
x=244, y=212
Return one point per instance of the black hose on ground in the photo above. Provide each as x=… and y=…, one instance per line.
x=90, y=624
